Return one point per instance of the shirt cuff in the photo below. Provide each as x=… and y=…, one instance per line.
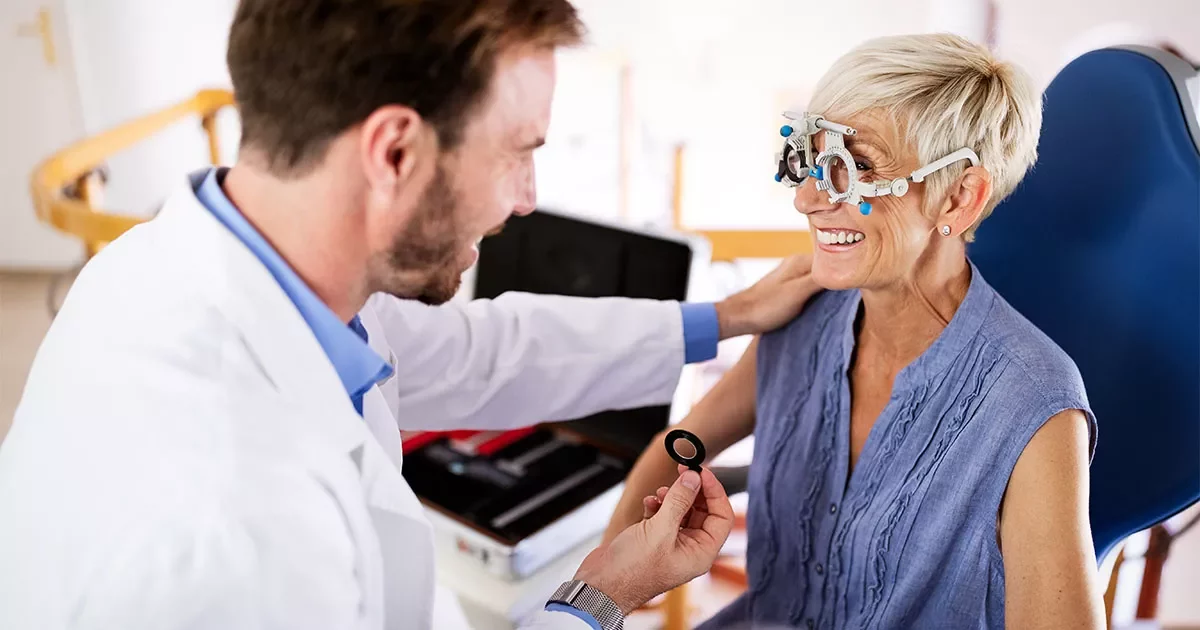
x=701, y=332
x=587, y=618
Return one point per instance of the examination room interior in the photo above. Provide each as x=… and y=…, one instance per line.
x=664, y=122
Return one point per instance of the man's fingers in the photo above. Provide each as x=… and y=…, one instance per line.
x=695, y=519
x=714, y=493
x=650, y=506
x=720, y=513
x=801, y=262
x=805, y=284
x=796, y=265
x=698, y=503
x=680, y=498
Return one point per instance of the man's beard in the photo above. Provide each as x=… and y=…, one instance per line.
x=426, y=252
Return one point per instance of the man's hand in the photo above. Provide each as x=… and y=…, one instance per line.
x=773, y=301
x=678, y=540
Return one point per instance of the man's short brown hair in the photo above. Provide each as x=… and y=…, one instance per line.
x=304, y=71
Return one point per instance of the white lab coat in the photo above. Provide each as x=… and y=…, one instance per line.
x=185, y=456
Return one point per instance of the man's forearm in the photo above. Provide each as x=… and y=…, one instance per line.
x=521, y=358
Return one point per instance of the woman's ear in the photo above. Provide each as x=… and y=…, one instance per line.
x=966, y=200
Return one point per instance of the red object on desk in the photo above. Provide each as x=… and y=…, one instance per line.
x=413, y=440
x=484, y=443
x=494, y=445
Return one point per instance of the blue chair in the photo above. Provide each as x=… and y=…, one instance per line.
x=1100, y=248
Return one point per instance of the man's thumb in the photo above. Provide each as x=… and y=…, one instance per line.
x=680, y=498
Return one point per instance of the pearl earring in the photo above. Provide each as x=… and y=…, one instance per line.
x=945, y=230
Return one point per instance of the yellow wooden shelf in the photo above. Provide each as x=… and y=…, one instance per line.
x=730, y=245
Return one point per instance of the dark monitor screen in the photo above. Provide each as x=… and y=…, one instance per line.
x=554, y=254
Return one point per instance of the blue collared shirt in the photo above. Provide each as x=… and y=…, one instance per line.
x=358, y=367
x=701, y=331
x=571, y=610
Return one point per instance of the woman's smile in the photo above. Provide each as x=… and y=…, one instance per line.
x=836, y=240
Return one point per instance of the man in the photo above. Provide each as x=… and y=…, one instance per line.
x=209, y=434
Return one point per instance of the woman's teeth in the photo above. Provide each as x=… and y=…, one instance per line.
x=838, y=237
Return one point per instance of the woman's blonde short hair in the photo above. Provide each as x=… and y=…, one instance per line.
x=945, y=93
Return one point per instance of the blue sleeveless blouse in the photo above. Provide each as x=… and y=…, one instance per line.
x=910, y=538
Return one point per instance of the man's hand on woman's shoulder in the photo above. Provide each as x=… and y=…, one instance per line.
x=771, y=302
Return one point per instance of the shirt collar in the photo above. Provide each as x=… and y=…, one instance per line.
x=964, y=325
x=358, y=367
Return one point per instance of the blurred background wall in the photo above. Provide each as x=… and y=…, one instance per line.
x=707, y=75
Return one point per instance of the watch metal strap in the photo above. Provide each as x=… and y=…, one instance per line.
x=578, y=594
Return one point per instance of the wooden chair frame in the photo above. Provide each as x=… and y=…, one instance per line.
x=62, y=186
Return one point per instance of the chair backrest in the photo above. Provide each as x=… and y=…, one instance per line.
x=1100, y=248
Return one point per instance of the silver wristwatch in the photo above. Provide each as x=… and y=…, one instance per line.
x=577, y=594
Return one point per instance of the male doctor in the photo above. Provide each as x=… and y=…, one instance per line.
x=209, y=437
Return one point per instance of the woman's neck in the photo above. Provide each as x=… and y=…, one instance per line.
x=902, y=320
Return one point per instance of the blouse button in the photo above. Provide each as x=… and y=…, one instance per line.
x=820, y=569
x=833, y=508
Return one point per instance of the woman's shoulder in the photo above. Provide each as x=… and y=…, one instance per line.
x=1032, y=354
x=803, y=341
x=820, y=311
x=1039, y=379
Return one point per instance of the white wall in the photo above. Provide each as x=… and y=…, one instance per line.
x=134, y=57
x=38, y=116
x=1040, y=34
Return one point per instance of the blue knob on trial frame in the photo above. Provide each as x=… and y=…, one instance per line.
x=864, y=208
x=786, y=130
x=818, y=172
x=695, y=460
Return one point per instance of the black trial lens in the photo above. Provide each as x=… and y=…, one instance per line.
x=692, y=460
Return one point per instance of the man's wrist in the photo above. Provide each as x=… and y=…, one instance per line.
x=730, y=322
x=613, y=587
x=596, y=605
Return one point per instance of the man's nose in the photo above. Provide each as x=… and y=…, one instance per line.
x=809, y=200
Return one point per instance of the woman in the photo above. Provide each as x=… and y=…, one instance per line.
x=921, y=449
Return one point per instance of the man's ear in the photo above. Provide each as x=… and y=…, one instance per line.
x=966, y=200
x=393, y=142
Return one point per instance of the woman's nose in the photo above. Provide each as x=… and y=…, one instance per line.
x=809, y=200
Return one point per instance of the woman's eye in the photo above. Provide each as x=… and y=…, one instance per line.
x=861, y=165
